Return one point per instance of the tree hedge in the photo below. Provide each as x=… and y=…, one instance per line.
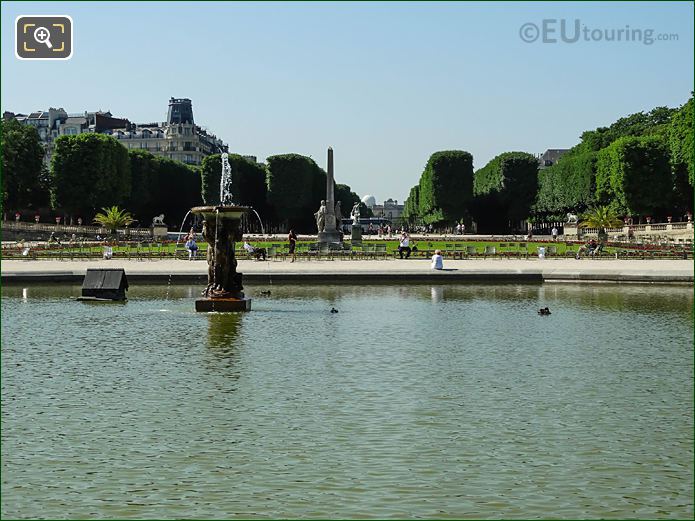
x=411, y=206
x=347, y=199
x=566, y=186
x=88, y=172
x=296, y=186
x=178, y=190
x=248, y=181
x=505, y=190
x=445, y=187
x=24, y=177
x=680, y=137
x=633, y=175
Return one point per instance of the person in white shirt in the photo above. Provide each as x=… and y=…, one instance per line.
x=554, y=233
x=259, y=253
x=404, y=246
x=437, y=260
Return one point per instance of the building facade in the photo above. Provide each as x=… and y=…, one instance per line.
x=177, y=138
x=390, y=209
x=550, y=157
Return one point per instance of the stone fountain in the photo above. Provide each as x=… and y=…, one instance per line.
x=221, y=230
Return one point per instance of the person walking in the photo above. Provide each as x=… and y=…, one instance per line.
x=553, y=232
x=292, y=239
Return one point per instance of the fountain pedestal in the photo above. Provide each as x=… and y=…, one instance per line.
x=221, y=231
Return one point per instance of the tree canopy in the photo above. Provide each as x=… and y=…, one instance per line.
x=446, y=187
x=24, y=177
x=633, y=175
x=89, y=171
x=505, y=190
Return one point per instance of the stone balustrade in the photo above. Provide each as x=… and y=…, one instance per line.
x=680, y=231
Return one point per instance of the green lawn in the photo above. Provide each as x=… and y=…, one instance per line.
x=454, y=248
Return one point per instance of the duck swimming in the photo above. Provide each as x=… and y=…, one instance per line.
x=544, y=311
x=333, y=310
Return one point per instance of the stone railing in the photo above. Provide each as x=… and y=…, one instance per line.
x=670, y=231
x=70, y=229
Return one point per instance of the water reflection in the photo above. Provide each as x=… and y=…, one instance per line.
x=223, y=331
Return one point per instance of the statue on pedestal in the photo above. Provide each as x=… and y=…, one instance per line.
x=355, y=214
x=321, y=217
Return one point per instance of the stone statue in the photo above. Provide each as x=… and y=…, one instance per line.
x=355, y=214
x=571, y=218
x=321, y=217
x=338, y=213
x=159, y=219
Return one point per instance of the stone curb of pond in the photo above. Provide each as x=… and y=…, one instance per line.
x=516, y=276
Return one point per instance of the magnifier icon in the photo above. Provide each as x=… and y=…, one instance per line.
x=42, y=35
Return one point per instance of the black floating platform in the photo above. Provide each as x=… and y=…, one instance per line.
x=96, y=299
x=223, y=305
x=104, y=284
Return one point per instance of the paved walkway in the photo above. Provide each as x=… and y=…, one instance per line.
x=609, y=270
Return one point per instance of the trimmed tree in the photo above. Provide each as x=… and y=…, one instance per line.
x=680, y=138
x=566, y=186
x=89, y=171
x=296, y=186
x=446, y=187
x=411, y=206
x=505, y=190
x=633, y=174
x=24, y=176
x=248, y=181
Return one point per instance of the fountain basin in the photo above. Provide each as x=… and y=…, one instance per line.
x=224, y=291
x=224, y=212
x=222, y=305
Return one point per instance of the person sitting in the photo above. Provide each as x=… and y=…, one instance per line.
x=437, y=260
x=596, y=250
x=258, y=253
x=404, y=246
x=192, y=248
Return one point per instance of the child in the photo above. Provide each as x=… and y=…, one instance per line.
x=437, y=260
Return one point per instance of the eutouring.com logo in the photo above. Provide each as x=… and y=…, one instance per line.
x=552, y=30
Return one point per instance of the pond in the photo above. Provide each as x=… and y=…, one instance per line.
x=450, y=401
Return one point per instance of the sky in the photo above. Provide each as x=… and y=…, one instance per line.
x=384, y=84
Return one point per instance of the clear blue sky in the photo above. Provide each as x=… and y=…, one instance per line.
x=385, y=84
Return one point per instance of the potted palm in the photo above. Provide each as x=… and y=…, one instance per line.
x=113, y=218
x=600, y=217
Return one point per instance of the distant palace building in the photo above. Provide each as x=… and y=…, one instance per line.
x=550, y=156
x=390, y=210
x=176, y=138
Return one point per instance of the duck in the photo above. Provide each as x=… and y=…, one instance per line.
x=333, y=310
x=544, y=311
x=267, y=292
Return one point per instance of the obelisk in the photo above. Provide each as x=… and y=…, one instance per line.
x=330, y=231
